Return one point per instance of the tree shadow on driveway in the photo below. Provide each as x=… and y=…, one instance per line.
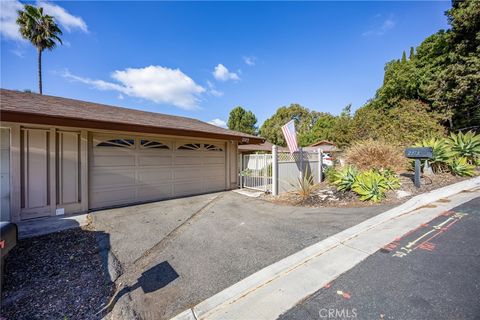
x=149, y=281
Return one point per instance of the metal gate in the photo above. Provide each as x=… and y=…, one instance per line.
x=256, y=171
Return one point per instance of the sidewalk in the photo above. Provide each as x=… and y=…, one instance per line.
x=277, y=288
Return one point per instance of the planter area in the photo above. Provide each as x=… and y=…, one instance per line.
x=326, y=195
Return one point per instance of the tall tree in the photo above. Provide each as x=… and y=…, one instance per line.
x=41, y=30
x=304, y=119
x=242, y=120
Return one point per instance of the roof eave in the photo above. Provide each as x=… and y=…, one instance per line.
x=32, y=118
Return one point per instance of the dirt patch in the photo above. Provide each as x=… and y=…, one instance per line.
x=326, y=195
x=56, y=276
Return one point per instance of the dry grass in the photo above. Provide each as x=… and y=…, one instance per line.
x=374, y=154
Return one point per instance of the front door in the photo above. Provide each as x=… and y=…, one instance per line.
x=5, y=174
x=35, y=168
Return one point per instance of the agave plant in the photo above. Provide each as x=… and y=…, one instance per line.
x=391, y=179
x=370, y=185
x=345, y=178
x=465, y=145
x=460, y=167
x=442, y=153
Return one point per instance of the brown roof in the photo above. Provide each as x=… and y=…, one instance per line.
x=266, y=146
x=16, y=106
x=322, y=142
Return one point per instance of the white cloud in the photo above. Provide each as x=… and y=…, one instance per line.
x=381, y=27
x=67, y=20
x=154, y=83
x=213, y=91
x=8, y=17
x=251, y=61
x=221, y=73
x=218, y=122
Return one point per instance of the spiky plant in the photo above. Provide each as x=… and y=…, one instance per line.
x=442, y=153
x=465, y=145
x=345, y=178
x=370, y=186
x=460, y=167
x=305, y=185
x=391, y=179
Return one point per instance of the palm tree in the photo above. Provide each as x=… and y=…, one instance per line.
x=41, y=30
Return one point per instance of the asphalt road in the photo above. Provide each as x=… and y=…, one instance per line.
x=432, y=272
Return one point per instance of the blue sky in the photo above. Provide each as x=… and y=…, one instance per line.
x=201, y=59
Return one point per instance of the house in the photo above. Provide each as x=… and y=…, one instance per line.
x=62, y=156
x=263, y=147
x=325, y=145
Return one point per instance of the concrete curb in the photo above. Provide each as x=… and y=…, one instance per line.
x=269, y=273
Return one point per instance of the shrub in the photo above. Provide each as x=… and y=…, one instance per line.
x=376, y=154
x=461, y=167
x=442, y=153
x=370, y=185
x=344, y=178
x=329, y=174
x=305, y=185
x=391, y=179
x=465, y=145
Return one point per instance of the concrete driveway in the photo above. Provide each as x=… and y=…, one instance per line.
x=176, y=253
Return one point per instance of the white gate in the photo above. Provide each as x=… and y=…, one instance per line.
x=256, y=171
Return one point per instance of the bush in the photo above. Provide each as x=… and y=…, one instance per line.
x=329, y=174
x=442, y=153
x=370, y=185
x=344, y=178
x=305, y=185
x=375, y=154
x=461, y=167
x=465, y=145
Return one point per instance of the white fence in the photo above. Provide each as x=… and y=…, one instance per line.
x=256, y=171
x=279, y=172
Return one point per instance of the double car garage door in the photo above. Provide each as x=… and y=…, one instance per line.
x=125, y=169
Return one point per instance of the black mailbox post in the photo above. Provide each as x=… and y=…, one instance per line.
x=418, y=154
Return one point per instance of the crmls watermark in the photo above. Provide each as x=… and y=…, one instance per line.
x=333, y=313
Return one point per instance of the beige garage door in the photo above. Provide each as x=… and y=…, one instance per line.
x=126, y=170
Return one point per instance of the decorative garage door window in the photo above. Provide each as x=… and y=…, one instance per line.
x=123, y=143
x=150, y=144
x=212, y=147
x=198, y=146
x=190, y=146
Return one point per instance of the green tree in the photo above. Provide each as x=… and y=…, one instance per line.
x=41, y=30
x=242, y=120
x=407, y=123
x=304, y=119
x=442, y=71
x=343, y=128
x=457, y=86
x=323, y=129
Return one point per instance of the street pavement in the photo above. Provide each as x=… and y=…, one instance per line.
x=432, y=272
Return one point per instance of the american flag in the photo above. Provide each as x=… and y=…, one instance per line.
x=290, y=136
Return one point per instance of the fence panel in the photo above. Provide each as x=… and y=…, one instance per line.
x=257, y=172
x=291, y=167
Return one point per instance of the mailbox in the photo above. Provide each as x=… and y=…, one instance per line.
x=419, y=153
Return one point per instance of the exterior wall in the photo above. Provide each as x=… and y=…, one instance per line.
x=233, y=161
x=65, y=157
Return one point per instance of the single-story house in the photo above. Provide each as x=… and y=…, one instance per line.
x=263, y=147
x=325, y=145
x=62, y=156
